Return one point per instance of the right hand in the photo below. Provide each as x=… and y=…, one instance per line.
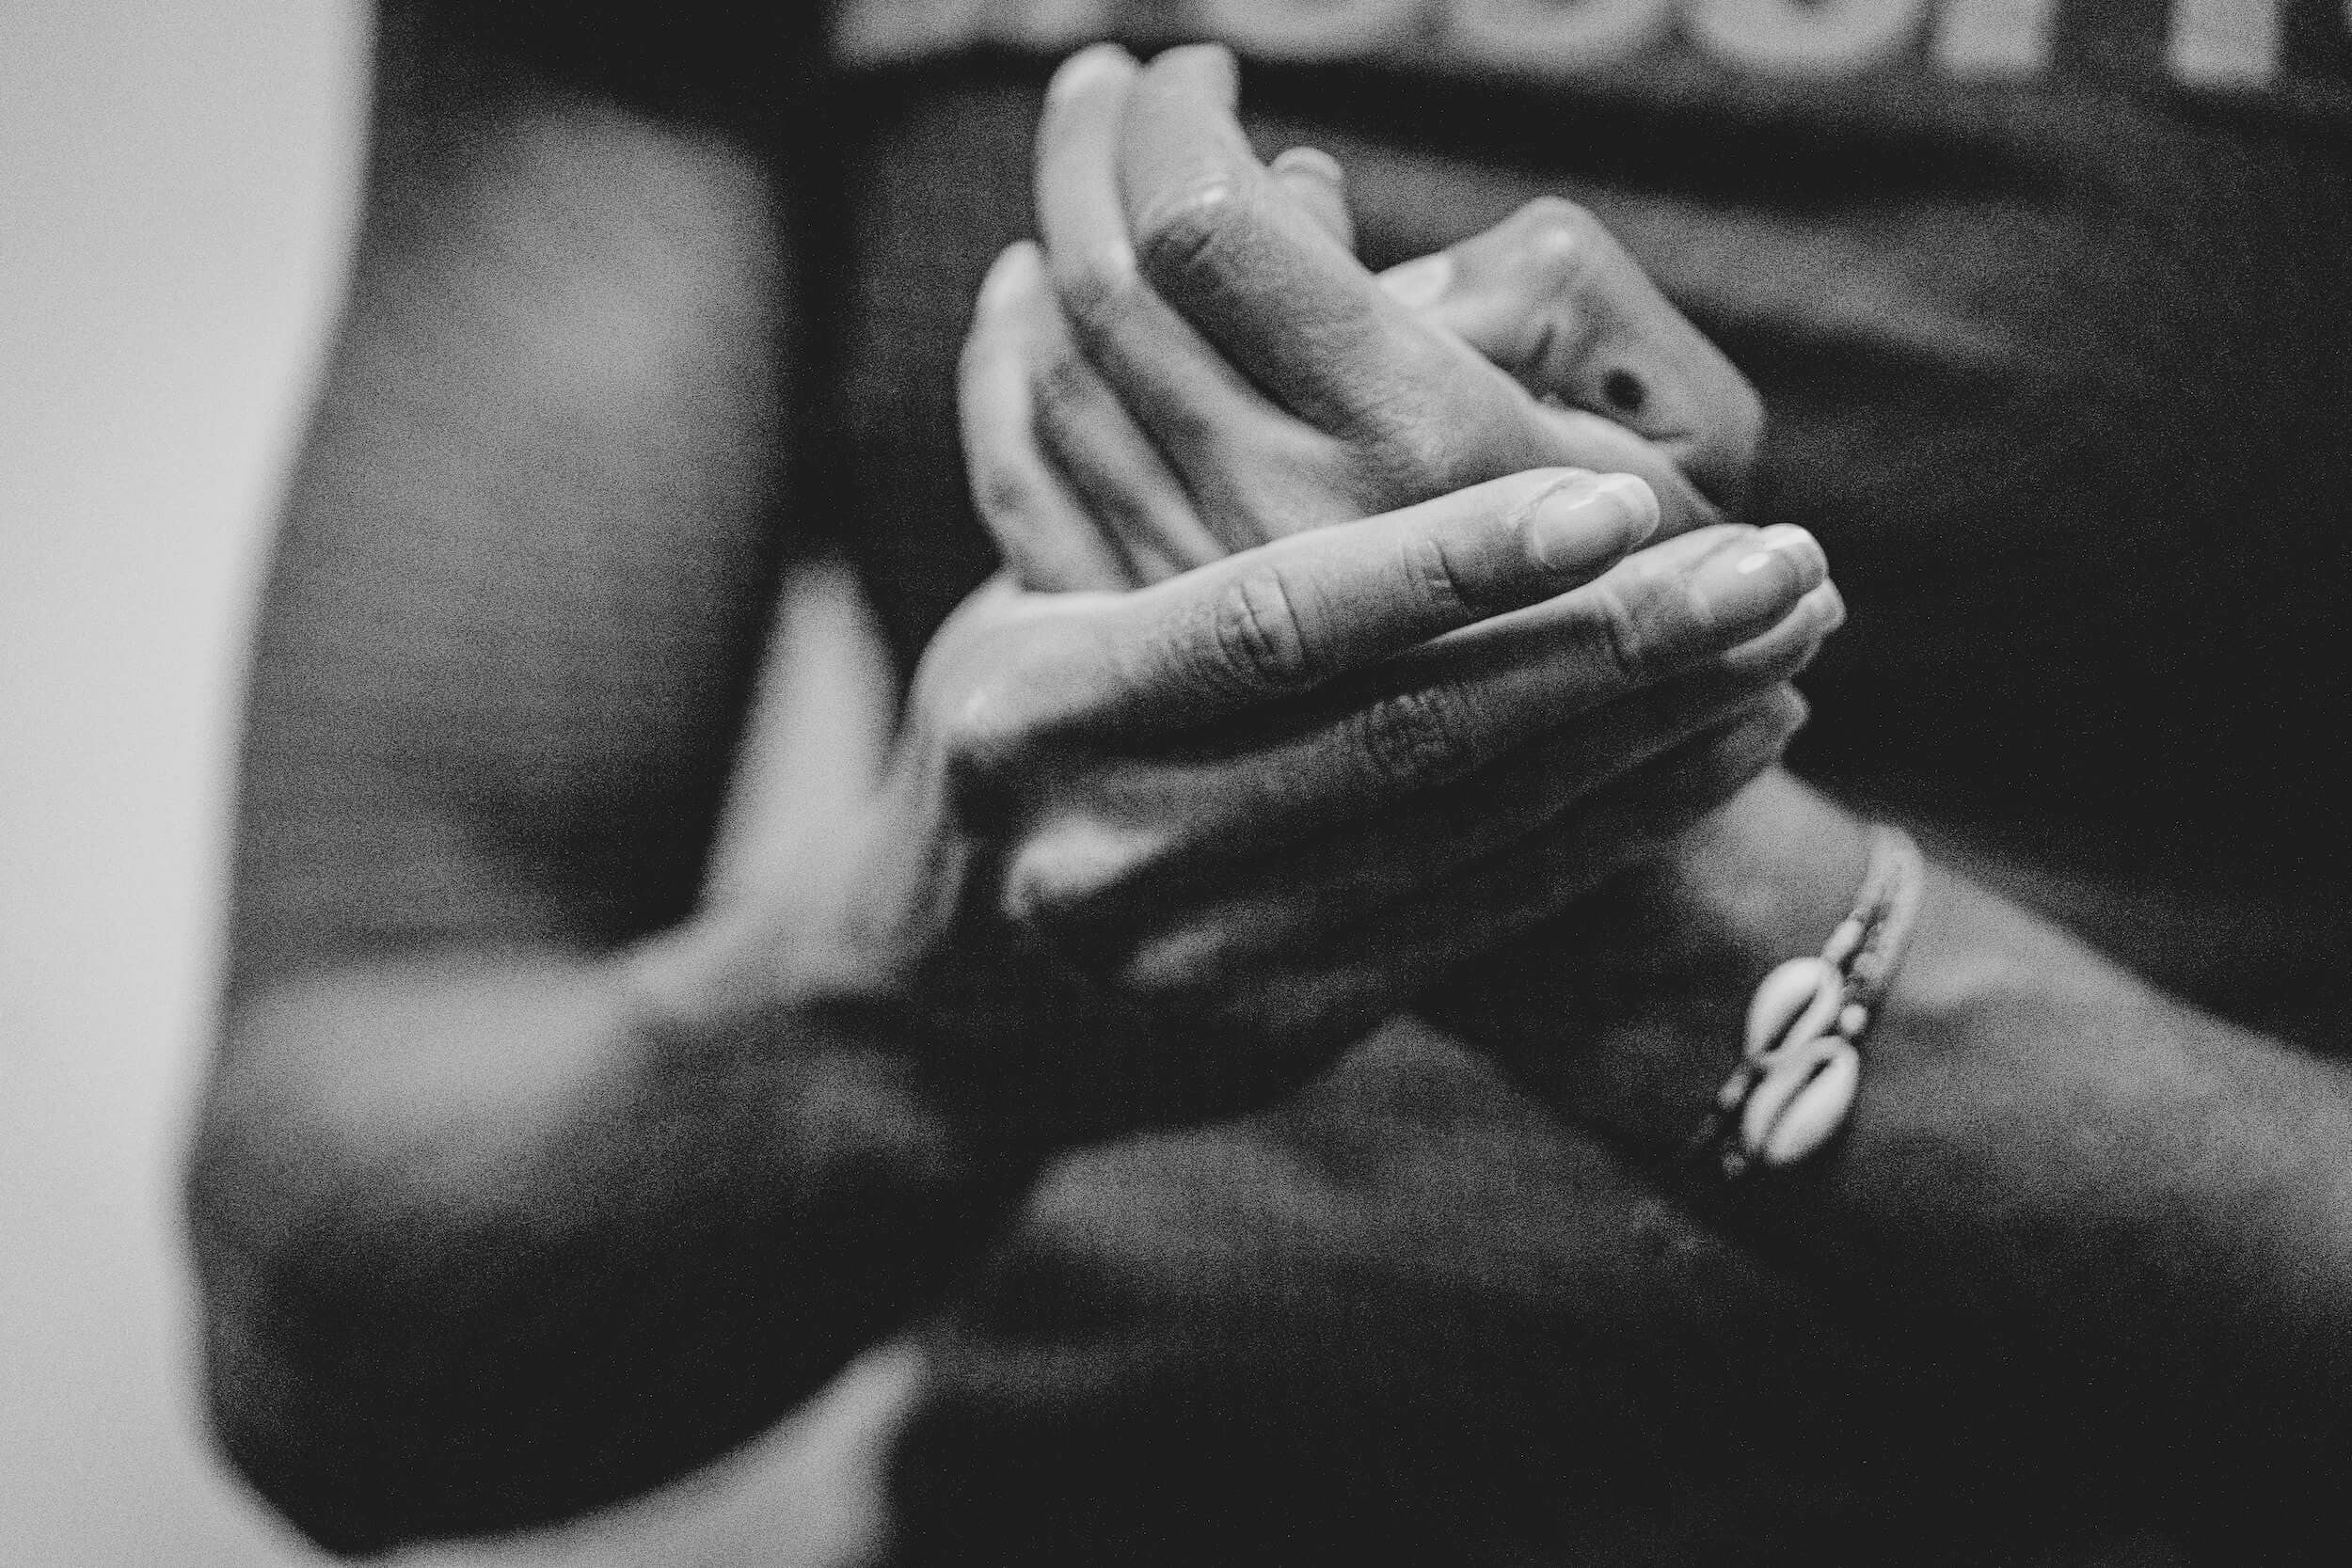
x=1274, y=797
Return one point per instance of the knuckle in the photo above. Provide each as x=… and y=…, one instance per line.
x=1186, y=237
x=1001, y=493
x=1258, y=638
x=1062, y=394
x=1434, y=578
x=1098, y=293
x=1413, y=739
x=1415, y=442
x=982, y=743
x=1615, y=634
x=1561, y=245
x=1057, y=379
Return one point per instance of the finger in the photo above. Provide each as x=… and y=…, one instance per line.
x=1048, y=541
x=1432, y=287
x=1633, y=820
x=1318, y=186
x=1586, y=440
x=1347, y=869
x=1208, y=902
x=1229, y=911
x=1221, y=241
x=1551, y=297
x=1365, y=972
x=1366, y=743
x=1288, y=616
x=1190, y=399
x=1116, y=473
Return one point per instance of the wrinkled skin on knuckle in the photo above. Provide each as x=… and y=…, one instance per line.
x=1645, y=617
x=1427, y=565
x=1411, y=739
x=1614, y=635
x=1256, y=641
x=1442, y=419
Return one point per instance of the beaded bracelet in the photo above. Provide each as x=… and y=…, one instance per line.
x=1796, y=1082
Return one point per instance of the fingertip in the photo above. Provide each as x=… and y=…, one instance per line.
x=1016, y=270
x=1798, y=546
x=1318, y=186
x=1210, y=68
x=1087, y=68
x=1783, y=650
x=1581, y=521
x=1634, y=494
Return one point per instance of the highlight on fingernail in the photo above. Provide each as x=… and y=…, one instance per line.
x=1588, y=518
x=1084, y=69
x=1312, y=161
x=1787, y=542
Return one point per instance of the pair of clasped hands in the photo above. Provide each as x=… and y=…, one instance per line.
x=1352, y=626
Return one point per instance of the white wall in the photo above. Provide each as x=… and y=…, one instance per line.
x=175, y=180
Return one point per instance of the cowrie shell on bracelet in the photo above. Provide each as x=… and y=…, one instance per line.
x=1802, y=1100
x=1796, y=1002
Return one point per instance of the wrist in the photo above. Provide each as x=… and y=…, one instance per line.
x=1628, y=1012
x=900, y=940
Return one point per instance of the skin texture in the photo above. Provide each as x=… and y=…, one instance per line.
x=2052, y=1167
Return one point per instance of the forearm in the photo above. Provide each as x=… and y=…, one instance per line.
x=2046, y=1153
x=488, y=1241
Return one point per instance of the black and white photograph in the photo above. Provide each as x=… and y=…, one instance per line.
x=1069, y=784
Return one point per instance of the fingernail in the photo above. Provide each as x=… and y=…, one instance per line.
x=1419, y=282
x=1085, y=68
x=1312, y=161
x=1747, y=590
x=1008, y=276
x=1218, y=65
x=1789, y=540
x=1589, y=519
